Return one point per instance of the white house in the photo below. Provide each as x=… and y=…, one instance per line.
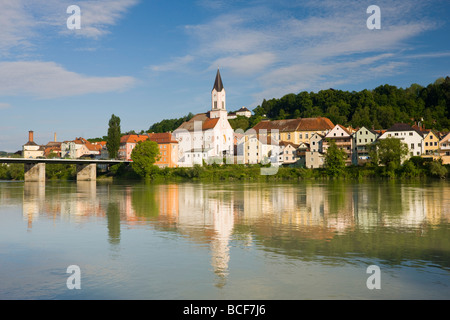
x=314, y=159
x=253, y=149
x=343, y=139
x=244, y=112
x=288, y=152
x=207, y=131
x=362, y=139
x=411, y=137
x=315, y=142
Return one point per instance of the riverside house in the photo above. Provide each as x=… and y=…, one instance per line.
x=363, y=138
x=344, y=140
x=168, y=149
x=127, y=144
x=431, y=143
x=253, y=149
x=412, y=137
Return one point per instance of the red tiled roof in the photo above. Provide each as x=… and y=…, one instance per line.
x=165, y=137
x=206, y=122
x=301, y=124
x=344, y=128
x=133, y=138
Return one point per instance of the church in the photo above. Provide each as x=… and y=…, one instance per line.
x=207, y=136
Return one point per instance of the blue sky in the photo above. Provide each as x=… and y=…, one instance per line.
x=147, y=60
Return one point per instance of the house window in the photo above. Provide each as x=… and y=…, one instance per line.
x=300, y=136
x=410, y=133
x=426, y=144
x=412, y=145
x=289, y=136
x=306, y=136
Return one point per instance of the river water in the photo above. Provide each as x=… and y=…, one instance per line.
x=268, y=241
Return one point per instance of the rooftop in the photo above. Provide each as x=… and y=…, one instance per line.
x=301, y=124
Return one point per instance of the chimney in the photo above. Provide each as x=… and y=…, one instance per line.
x=30, y=136
x=55, y=137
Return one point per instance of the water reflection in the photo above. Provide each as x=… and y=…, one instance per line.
x=388, y=221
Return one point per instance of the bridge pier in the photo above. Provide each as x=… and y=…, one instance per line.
x=87, y=172
x=34, y=172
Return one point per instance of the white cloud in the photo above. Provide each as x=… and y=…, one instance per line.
x=319, y=44
x=16, y=26
x=4, y=105
x=23, y=22
x=246, y=64
x=176, y=64
x=50, y=80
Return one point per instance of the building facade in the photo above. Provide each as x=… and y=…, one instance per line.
x=413, y=138
x=128, y=143
x=363, y=139
x=168, y=149
x=31, y=149
x=294, y=130
x=343, y=139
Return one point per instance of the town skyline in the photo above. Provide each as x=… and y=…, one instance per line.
x=147, y=61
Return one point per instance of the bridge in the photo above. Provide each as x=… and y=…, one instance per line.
x=86, y=168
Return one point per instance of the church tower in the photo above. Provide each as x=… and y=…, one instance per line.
x=218, y=102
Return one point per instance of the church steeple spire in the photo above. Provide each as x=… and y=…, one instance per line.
x=218, y=97
x=218, y=85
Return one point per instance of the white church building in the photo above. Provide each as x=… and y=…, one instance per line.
x=207, y=136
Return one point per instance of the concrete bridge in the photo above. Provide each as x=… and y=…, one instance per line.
x=35, y=168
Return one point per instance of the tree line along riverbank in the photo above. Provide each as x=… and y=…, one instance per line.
x=414, y=168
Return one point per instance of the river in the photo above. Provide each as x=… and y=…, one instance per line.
x=268, y=241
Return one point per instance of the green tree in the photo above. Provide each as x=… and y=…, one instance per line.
x=240, y=122
x=144, y=156
x=390, y=152
x=335, y=159
x=113, y=138
x=438, y=170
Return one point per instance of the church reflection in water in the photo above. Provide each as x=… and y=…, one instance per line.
x=221, y=216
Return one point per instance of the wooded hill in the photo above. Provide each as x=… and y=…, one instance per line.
x=379, y=108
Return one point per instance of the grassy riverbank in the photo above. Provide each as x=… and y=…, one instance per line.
x=411, y=169
x=415, y=168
